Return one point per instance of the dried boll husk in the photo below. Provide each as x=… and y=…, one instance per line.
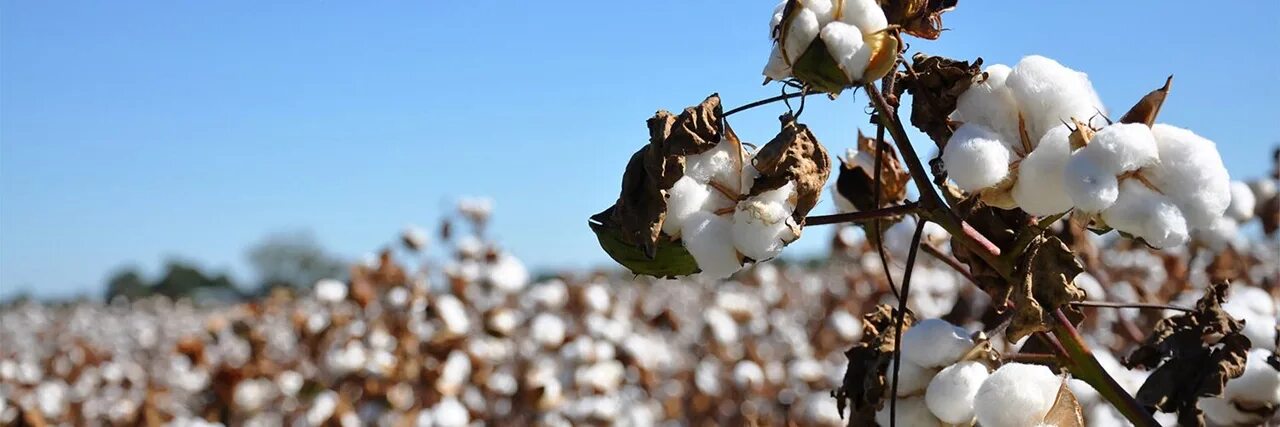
x=919, y=18
x=630, y=231
x=856, y=180
x=793, y=155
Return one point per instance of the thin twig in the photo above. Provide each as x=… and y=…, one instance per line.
x=1030, y=358
x=877, y=233
x=901, y=314
x=949, y=261
x=841, y=218
x=765, y=101
x=1108, y=304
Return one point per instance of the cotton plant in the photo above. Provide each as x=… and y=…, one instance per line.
x=695, y=200
x=830, y=44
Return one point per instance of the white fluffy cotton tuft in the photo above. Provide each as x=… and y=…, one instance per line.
x=1049, y=94
x=951, y=393
x=804, y=28
x=686, y=197
x=912, y=378
x=1040, y=189
x=976, y=158
x=1091, y=186
x=709, y=238
x=911, y=411
x=1191, y=173
x=1122, y=147
x=1016, y=395
x=934, y=343
x=991, y=104
x=1242, y=202
x=844, y=42
x=1147, y=214
x=762, y=224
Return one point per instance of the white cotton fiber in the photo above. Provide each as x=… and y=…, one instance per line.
x=776, y=68
x=684, y=198
x=1122, y=147
x=330, y=290
x=1222, y=412
x=1218, y=236
x=1040, y=189
x=843, y=43
x=1191, y=173
x=1049, y=94
x=760, y=224
x=912, y=378
x=709, y=238
x=804, y=28
x=864, y=14
x=824, y=9
x=720, y=163
x=991, y=104
x=1242, y=201
x=1091, y=187
x=1260, y=382
x=856, y=65
x=950, y=394
x=911, y=411
x=975, y=157
x=1016, y=395
x=934, y=343
x=1147, y=214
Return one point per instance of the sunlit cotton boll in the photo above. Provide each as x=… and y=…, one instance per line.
x=720, y=163
x=1091, y=186
x=911, y=411
x=844, y=43
x=1040, y=189
x=912, y=378
x=1145, y=213
x=1121, y=147
x=1190, y=173
x=1049, y=94
x=450, y=413
x=1016, y=395
x=762, y=224
x=1260, y=382
x=685, y=198
x=508, y=273
x=975, y=157
x=934, y=343
x=330, y=290
x=951, y=393
x=548, y=330
x=864, y=14
x=804, y=28
x=709, y=238
x=1242, y=202
x=990, y=104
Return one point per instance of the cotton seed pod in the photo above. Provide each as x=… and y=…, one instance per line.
x=830, y=45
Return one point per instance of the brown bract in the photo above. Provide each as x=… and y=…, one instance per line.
x=1066, y=411
x=920, y=18
x=1147, y=108
x=856, y=182
x=1193, y=355
x=935, y=84
x=865, y=381
x=793, y=155
x=1047, y=283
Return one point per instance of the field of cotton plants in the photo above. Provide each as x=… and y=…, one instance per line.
x=1059, y=262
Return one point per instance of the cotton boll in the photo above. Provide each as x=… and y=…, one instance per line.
x=976, y=157
x=548, y=330
x=508, y=273
x=450, y=413
x=951, y=393
x=777, y=67
x=762, y=224
x=1049, y=94
x=1260, y=382
x=330, y=290
x=684, y=198
x=1263, y=189
x=843, y=43
x=1016, y=395
x=804, y=28
x=864, y=14
x=991, y=104
x=1040, y=189
x=1220, y=235
x=1242, y=201
x=709, y=238
x=720, y=163
x=1191, y=173
x=934, y=343
x=1091, y=187
x=912, y=378
x=824, y=9
x=911, y=411
x=1147, y=214
x=1122, y=147
x=1222, y=412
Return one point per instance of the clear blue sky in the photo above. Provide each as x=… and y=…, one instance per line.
x=135, y=131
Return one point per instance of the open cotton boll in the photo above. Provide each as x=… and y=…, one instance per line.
x=1122, y=147
x=1049, y=94
x=777, y=67
x=1147, y=214
x=761, y=229
x=719, y=163
x=976, y=158
x=1016, y=395
x=843, y=42
x=330, y=290
x=709, y=238
x=991, y=104
x=950, y=394
x=911, y=411
x=1091, y=187
x=1040, y=189
x=1242, y=201
x=1191, y=173
x=684, y=198
x=825, y=10
x=1260, y=382
x=864, y=14
x=934, y=343
x=803, y=29
x=912, y=378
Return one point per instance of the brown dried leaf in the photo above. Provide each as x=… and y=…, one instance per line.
x=1146, y=110
x=1269, y=215
x=793, y=155
x=1048, y=274
x=920, y=18
x=1193, y=354
x=865, y=381
x=934, y=86
x=1065, y=411
x=856, y=182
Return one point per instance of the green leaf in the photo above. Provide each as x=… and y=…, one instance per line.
x=671, y=259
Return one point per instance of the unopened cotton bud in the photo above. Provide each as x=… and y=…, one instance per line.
x=976, y=158
x=1016, y=395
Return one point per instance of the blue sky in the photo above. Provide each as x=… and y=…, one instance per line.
x=131, y=132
